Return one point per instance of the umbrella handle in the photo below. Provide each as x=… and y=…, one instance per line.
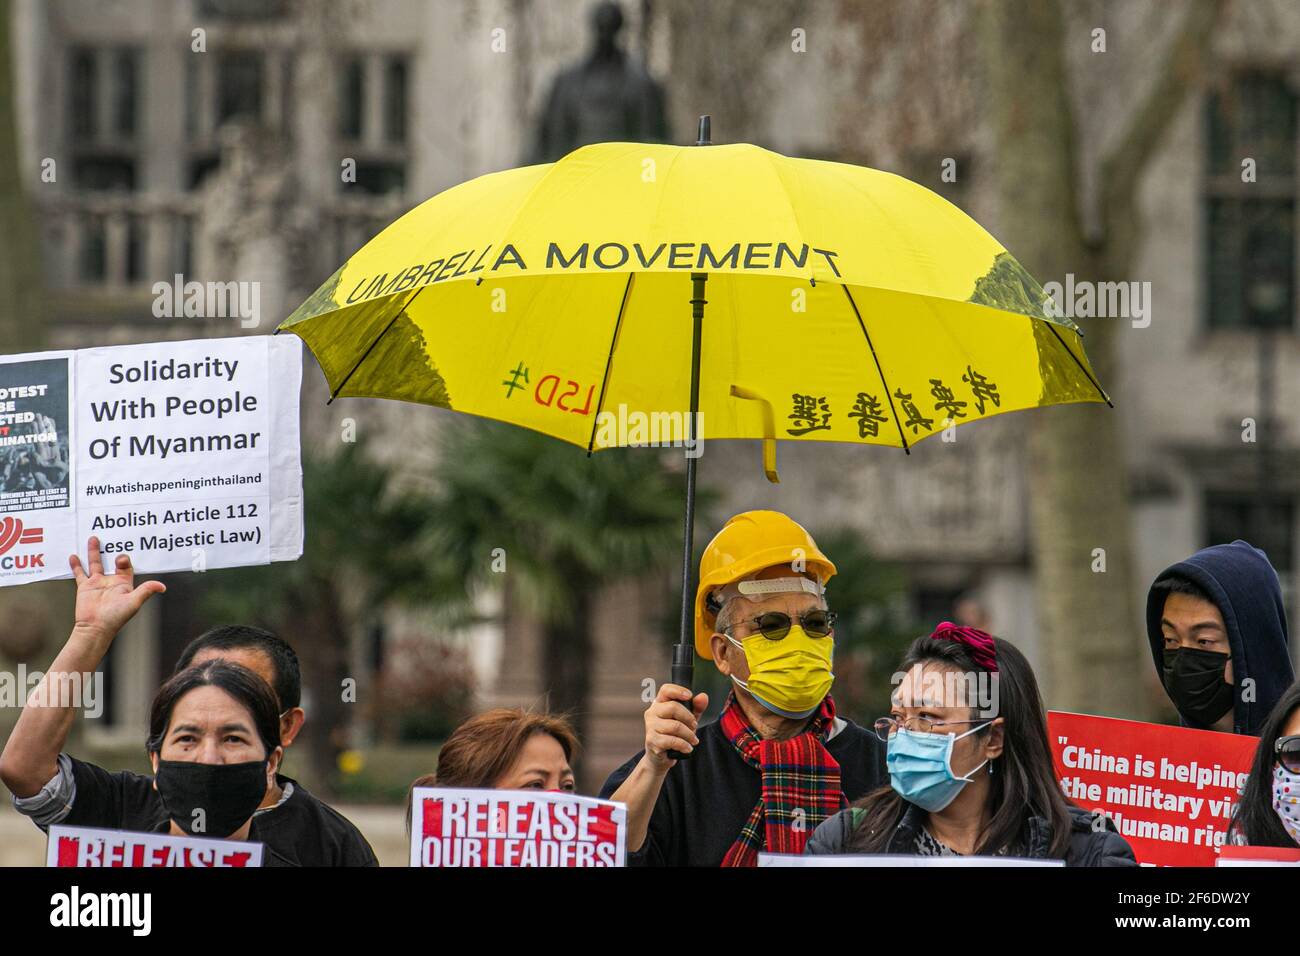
x=769, y=429
x=683, y=674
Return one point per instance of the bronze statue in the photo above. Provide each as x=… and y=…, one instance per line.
x=606, y=98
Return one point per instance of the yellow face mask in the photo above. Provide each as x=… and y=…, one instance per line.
x=790, y=676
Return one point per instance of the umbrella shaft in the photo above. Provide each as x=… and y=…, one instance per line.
x=697, y=316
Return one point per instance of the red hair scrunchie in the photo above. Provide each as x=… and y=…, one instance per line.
x=981, y=645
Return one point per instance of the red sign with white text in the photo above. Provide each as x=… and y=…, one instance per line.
x=93, y=847
x=1170, y=790
x=457, y=828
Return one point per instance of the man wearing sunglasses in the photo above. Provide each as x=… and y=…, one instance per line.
x=779, y=760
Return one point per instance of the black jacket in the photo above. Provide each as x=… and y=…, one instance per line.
x=1088, y=846
x=1243, y=585
x=302, y=831
x=706, y=800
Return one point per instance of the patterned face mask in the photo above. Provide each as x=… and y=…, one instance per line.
x=1286, y=800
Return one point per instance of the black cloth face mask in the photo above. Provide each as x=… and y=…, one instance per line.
x=227, y=793
x=1194, y=679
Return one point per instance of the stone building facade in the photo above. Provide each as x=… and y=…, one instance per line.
x=227, y=162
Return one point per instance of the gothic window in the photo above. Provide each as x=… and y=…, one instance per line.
x=104, y=109
x=1250, y=203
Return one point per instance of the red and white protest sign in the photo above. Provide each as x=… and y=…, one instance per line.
x=89, y=846
x=514, y=828
x=1170, y=790
x=896, y=860
x=1258, y=856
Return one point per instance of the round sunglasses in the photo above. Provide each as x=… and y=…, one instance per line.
x=1287, y=752
x=775, y=625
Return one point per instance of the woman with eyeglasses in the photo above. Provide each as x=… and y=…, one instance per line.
x=1268, y=813
x=969, y=764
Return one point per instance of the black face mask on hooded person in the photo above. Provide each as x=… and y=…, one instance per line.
x=226, y=793
x=1194, y=680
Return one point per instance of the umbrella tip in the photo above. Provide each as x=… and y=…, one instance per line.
x=706, y=132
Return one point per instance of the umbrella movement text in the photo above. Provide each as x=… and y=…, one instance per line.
x=693, y=256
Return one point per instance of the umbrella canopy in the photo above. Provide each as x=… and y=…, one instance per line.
x=844, y=304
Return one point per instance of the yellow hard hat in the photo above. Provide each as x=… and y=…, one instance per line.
x=748, y=543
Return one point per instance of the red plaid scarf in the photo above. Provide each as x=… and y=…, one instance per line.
x=801, y=784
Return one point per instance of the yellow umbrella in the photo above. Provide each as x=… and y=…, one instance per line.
x=843, y=304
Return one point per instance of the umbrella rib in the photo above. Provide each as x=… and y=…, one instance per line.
x=366, y=355
x=1105, y=397
x=609, y=360
x=880, y=371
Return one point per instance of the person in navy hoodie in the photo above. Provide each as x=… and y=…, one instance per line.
x=1218, y=636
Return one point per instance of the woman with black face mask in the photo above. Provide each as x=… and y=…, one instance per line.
x=214, y=745
x=214, y=741
x=1268, y=812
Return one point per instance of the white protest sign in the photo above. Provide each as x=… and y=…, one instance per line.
x=896, y=859
x=1231, y=855
x=184, y=455
x=93, y=847
x=515, y=828
x=1255, y=862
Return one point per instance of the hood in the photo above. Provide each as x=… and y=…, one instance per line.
x=1242, y=583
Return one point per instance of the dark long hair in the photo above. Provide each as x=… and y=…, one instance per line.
x=1255, y=818
x=239, y=682
x=1023, y=780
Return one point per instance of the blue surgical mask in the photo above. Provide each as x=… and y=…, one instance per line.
x=920, y=767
